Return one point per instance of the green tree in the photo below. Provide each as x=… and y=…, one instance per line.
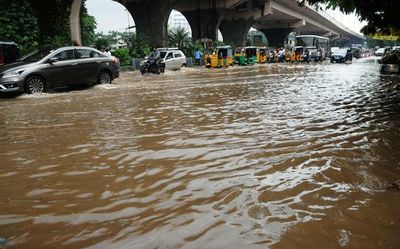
x=88, y=26
x=123, y=56
x=102, y=40
x=178, y=37
x=18, y=24
x=53, y=21
x=139, y=48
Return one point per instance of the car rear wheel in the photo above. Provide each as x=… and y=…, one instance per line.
x=35, y=84
x=104, y=78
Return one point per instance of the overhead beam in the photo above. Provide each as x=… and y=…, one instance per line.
x=291, y=24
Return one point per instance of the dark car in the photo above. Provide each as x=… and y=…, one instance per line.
x=41, y=70
x=8, y=52
x=341, y=55
x=356, y=52
x=390, y=63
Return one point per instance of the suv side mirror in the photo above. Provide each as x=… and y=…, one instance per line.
x=52, y=60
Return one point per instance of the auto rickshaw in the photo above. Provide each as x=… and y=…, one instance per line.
x=220, y=57
x=262, y=56
x=298, y=53
x=290, y=56
x=251, y=54
x=240, y=56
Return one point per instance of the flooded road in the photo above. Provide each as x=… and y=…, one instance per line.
x=269, y=156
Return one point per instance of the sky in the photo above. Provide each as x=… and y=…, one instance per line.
x=112, y=16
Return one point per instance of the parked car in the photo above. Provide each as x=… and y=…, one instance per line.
x=41, y=70
x=341, y=55
x=390, y=63
x=396, y=48
x=9, y=52
x=382, y=51
x=173, y=58
x=356, y=52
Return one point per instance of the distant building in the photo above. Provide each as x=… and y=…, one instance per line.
x=176, y=19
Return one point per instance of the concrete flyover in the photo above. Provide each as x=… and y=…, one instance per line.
x=275, y=18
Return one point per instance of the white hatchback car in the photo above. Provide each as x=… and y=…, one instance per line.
x=173, y=58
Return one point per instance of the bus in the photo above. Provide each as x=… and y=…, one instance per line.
x=314, y=42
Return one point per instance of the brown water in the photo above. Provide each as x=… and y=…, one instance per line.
x=280, y=156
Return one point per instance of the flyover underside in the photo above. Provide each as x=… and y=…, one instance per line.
x=275, y=18
x=151, y=20
x=204, y=23
x=235, y=31
x=285, y=19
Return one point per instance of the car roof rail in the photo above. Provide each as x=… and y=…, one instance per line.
x=167, y=48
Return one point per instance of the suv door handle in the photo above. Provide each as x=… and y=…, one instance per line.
x=74, y=64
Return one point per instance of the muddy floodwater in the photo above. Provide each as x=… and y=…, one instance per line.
x=264, y=156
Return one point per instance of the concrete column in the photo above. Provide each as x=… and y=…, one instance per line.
x=276, y=37
x=204, y=23
x=235, y=31
x=151, y=19
x=75, y=24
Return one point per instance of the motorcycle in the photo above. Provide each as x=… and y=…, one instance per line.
x=152, y=66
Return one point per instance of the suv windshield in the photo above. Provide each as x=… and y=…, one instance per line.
x=35, y=56
x=340, y=52
x=162, y=54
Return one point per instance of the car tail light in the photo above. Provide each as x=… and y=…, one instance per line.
x=115, y=60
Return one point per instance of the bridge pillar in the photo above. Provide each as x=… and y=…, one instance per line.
x=235, y=31
x=75, y=22
x=276, y=37
x=151, y=20
x=204, y=23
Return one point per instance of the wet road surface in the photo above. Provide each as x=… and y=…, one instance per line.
x=269, y=156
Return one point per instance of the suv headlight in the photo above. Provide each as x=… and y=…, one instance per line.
x=14, y=73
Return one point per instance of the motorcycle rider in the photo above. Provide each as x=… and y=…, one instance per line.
x=153, y=63
x=154, y=57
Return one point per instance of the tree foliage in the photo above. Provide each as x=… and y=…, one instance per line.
x=178, y=37
x=18, y=24
x=53, y=21
x=33, y=23
x=382, y=15
x=88, y=26
x=123, y=55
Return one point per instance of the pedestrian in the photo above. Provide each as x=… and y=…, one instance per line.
x=197, y=57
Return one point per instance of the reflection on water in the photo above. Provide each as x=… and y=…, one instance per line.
x=283, y=156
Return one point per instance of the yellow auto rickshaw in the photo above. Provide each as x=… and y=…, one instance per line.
x=262, y=56
x=298, y=53
x=290, y=56
x=220, y=57
x=251, y=54
x=240, y=56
